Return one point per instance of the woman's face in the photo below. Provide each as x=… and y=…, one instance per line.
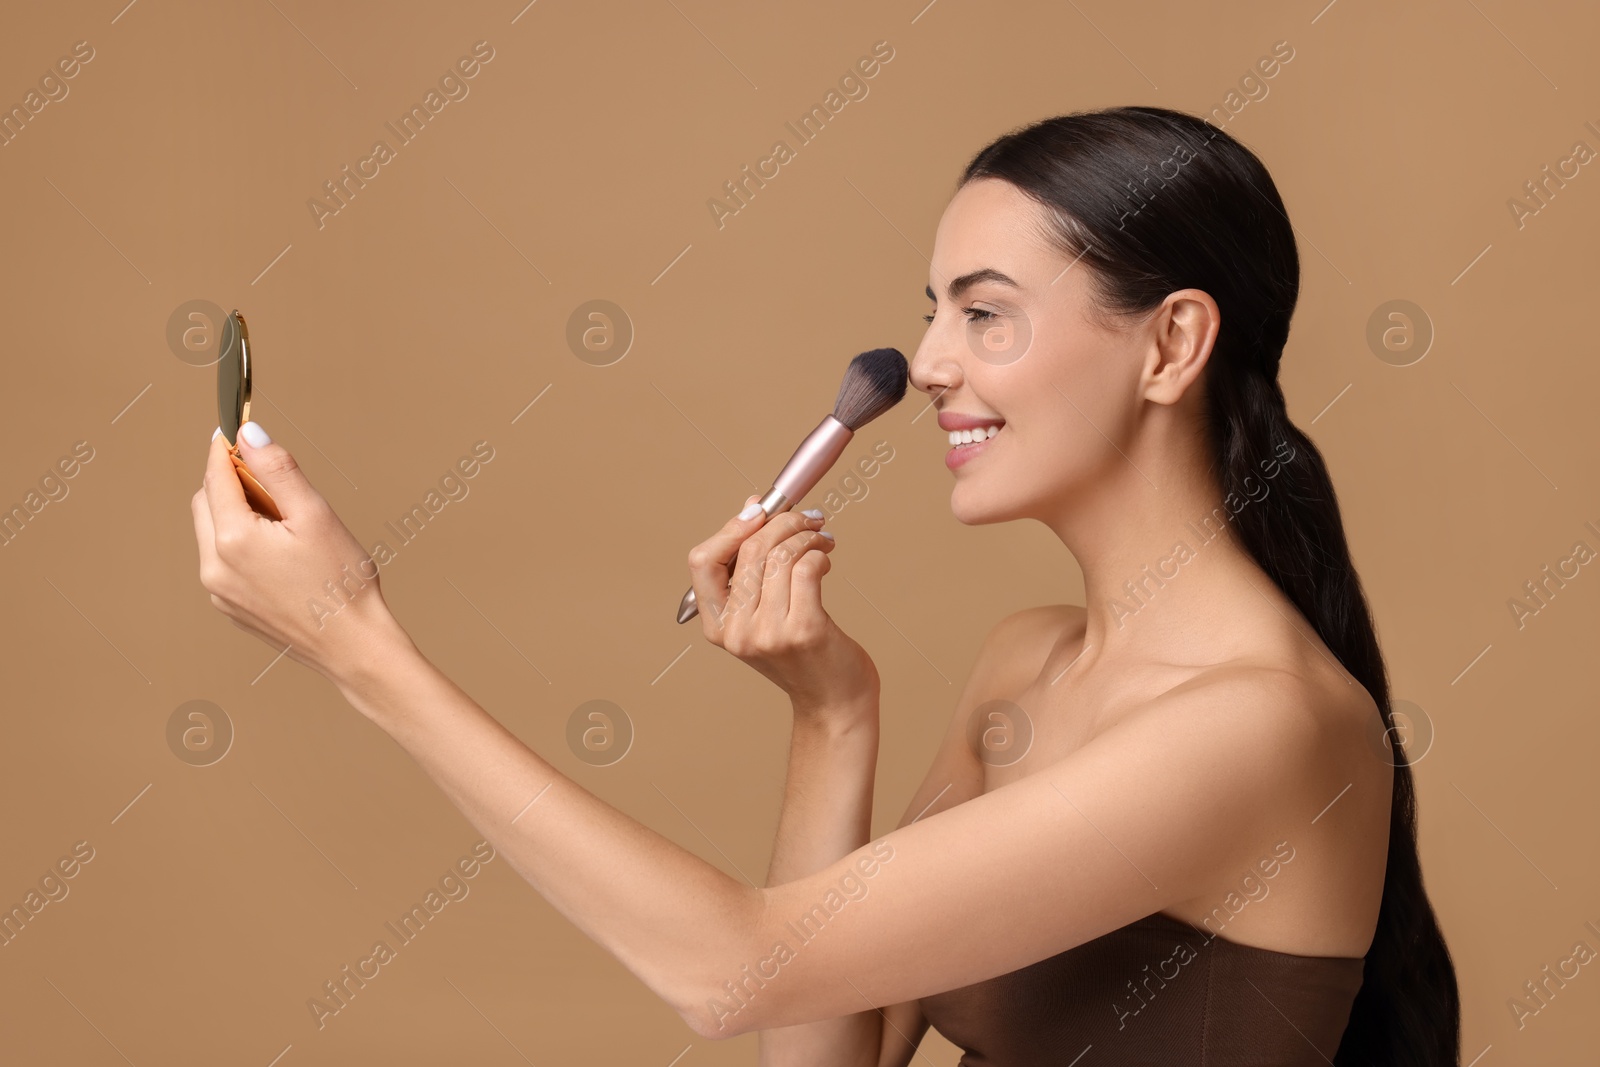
x=1025, y=353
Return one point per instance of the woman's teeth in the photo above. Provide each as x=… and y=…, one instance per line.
x=967, y=437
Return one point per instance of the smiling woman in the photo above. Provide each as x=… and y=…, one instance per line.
x=1164, y=757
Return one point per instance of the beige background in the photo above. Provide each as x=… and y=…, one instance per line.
x=430, y=311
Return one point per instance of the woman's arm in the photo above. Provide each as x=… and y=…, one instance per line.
x=1160, y=809
x=827, y=814
x=668, y=916
x=1157, y=810
x=827, y=790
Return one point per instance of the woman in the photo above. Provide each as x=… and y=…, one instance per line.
x=1205, y=850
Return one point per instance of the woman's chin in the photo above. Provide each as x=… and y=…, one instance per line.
x=994, y=497
x=970, y=508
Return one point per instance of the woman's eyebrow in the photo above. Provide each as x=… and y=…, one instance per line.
x=971, y=278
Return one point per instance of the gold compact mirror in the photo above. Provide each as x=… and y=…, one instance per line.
x=233, y=408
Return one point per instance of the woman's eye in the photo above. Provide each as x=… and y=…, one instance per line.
x=973, y=315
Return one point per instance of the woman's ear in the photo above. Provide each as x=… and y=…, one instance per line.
x=1183, y=331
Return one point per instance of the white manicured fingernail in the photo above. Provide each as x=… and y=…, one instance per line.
x=826, y=534
x=750, y=511
x=215, y=432
x=252, y=432
x=814, y=513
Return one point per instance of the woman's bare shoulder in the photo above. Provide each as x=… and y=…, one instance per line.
x=1036, y=629
x=1008, y=659
x=1020, y=643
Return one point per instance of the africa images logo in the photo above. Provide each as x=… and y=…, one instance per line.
x=452, y=84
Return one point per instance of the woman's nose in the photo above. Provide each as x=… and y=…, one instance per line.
x=934, y=370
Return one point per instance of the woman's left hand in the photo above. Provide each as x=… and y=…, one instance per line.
x=305, y=582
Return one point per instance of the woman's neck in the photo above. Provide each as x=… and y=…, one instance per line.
x=1163, y=566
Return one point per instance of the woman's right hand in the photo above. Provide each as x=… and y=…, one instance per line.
x=768, y=611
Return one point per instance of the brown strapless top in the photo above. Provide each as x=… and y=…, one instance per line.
x=1157, y=991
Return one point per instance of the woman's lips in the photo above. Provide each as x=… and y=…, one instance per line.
x=960, y=455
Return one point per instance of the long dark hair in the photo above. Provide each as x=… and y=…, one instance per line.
x=1155, y=200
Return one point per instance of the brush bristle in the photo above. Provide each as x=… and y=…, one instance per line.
x=874, y=383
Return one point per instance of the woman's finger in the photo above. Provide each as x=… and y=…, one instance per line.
x=224, y=494
x=780, y=566
x=805, y=587
x=709, y=564
x=748, y=586
x=204, y=535
x=278, y=473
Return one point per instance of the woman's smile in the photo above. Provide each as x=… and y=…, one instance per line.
x=967, y=444
x=969, y=435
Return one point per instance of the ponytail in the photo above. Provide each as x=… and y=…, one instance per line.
x=1295, y=533
x=1217, y=224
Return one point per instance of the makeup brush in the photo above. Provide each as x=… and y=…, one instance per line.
x=874, y=382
